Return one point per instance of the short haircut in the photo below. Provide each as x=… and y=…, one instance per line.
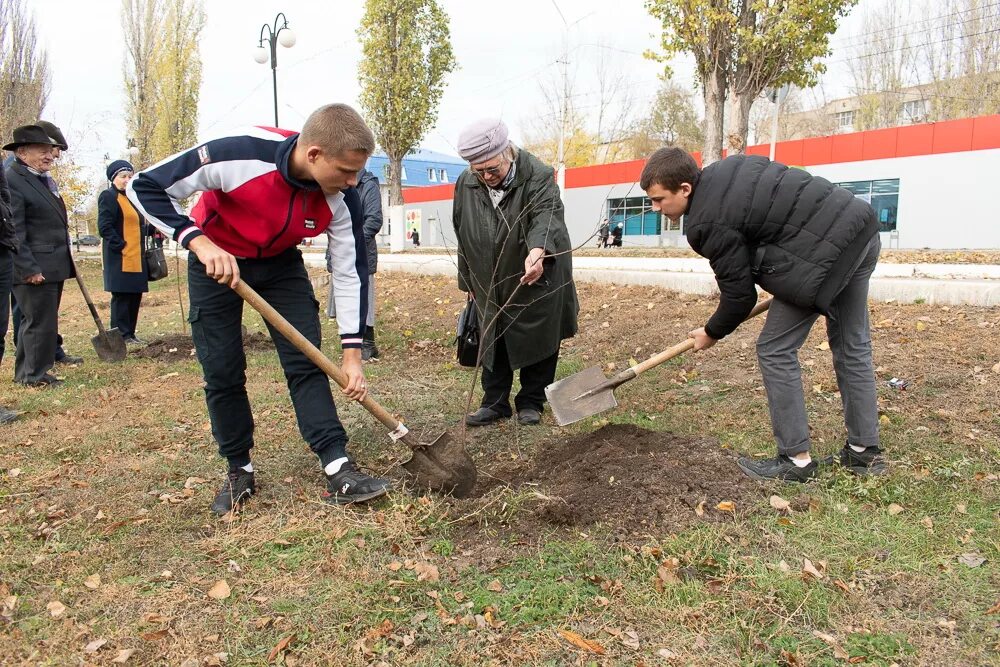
x=669, y=167
x=337, y=128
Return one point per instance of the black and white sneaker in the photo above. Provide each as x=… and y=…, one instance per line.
x=864, y=464
x=780, y=467
x=350, y=485
x=236, y=490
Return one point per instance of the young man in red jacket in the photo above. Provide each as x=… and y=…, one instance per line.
x=264, y=191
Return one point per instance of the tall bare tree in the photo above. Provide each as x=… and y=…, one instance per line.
x=882, y=65
x=178, y=78
x=959, y=59
x=142, y=23
x=24, y=68
x=406, y=48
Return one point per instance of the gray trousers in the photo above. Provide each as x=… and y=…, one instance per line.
x=331, y=307
x=848, y=330
x=38, y=338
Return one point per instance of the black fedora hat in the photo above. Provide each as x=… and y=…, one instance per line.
x=30, y=134
x=54, y=133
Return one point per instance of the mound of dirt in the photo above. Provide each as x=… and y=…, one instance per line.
x=634, y=480
x=174, y=347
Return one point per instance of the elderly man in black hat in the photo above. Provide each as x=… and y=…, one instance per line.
x=43, y=260
x=514, y=261
x=57, y=137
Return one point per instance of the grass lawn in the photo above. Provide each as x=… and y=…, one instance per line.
x=108, y=553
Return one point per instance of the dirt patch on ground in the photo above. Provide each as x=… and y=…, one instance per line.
x=629, y=480
x=174, y=347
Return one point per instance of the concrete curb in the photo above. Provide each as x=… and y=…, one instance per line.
x=940, y=284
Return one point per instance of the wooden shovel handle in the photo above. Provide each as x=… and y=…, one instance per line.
x=86, y=296
x=286, y=329
x=681, y=348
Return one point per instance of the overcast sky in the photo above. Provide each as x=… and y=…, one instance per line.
x=503, y=50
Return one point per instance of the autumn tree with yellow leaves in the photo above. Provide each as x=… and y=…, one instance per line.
x=406, y=55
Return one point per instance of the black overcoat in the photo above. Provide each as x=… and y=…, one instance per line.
x=115, y=244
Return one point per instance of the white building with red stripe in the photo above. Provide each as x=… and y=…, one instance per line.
x=932, y=186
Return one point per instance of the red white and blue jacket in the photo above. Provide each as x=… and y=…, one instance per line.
x=253, y=208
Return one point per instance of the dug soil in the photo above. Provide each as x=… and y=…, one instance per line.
x=629, y=480
x=174, y=347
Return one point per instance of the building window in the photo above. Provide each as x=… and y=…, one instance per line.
x=883, y=195
x=444, y=175
x=914, y=111
x=844, y=120
x=432, y=175
x=402, y=176
x=636, y=213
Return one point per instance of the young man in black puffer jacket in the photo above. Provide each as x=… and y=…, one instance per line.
x=814, y=247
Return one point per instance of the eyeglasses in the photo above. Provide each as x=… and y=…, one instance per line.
x=491, y=171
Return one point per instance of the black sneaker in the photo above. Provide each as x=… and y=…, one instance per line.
x=7, y=416
x=369, y=350
x=70, y=360
x=867, y=463
x=350, y=485
x=236, y=490
x=780, y=467
x=484, y=417
x=46, y=381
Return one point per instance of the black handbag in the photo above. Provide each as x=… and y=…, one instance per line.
x=156, y=261
x=468, y=335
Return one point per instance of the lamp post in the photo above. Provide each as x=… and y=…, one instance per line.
x=274, y=35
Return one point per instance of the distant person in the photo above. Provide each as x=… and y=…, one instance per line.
x=245, y=230
x=513, y=251
x=415, y=237
x=371, y=211
x=616, y=235
x=813, y=246
x=43, y=262
x=121, y=228
x=602, y=233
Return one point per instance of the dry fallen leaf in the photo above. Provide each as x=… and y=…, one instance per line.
x=726, y=506
x=578, y=641
x=123, y=655
x=666, y=654
x=495, y=586
x=927, y=523
x=699, y=509
x=780, y=504
x=427, y=572
x=995, y=609
x=395, y=566
x=279, y=647
x=94, y=646
x=971, y=560
x=810, y=570
x=92, y=582
x=838, y=651
x=156, y=635
x=220, y=591
x=895, y=509
x=153, y=617
x=56, y=608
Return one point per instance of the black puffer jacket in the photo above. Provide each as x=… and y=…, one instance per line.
x=797, y=236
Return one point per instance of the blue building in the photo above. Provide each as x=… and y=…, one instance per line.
x=420, y=168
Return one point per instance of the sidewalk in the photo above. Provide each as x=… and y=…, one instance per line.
x=943, y=284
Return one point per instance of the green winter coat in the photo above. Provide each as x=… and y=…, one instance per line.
x=529, y=216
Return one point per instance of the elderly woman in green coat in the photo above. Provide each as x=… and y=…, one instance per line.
x=122, y=229
x=514, y=260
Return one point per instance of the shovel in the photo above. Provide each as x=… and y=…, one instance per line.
x=440, y=465
x=109, y=344
x=588, y=392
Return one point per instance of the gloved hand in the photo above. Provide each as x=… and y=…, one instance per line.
x=116, y=244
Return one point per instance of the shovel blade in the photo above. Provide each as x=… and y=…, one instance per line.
x=566, y=400
x=442, y=465
x=110, y=346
